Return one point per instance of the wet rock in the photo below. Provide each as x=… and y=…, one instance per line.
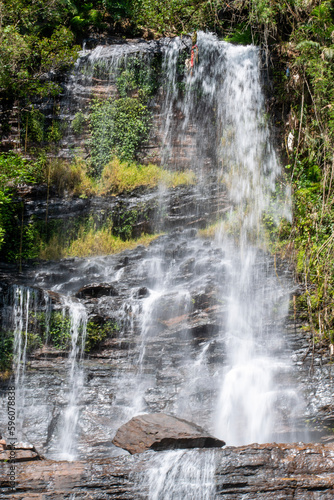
x=96, y=290
x=159, y=431
x=123, y=262
x=261, y=472
x=19, y=452
x=142, y=292
x=55, y=297
x=187, y=267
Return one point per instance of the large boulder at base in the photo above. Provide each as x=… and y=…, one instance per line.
x=158, y=431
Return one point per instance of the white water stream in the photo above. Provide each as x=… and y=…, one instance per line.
x=22, y=305
x=250, y=393
x=227, y=84
x=78, y=329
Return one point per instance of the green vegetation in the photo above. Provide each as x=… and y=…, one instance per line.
x=118, y=127
x=55, y=331
x=210, y=231
x=97, y=333
x=78, y=123
x=91, y=242
x=6, y=350
x=20, y=240
x=118, y=177
x=307, y=93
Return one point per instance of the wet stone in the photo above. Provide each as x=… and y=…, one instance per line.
x=159, y=431
x=96, y=290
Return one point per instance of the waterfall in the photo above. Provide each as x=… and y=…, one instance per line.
x=22, y=304
x=223, y=102
x=19, y=314
x=181, y=474
x=78, y=330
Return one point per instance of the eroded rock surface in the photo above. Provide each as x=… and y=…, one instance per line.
x=159, y=431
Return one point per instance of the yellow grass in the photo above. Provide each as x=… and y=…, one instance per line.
x=92, y=243
x=118, y=177
x=210, y=231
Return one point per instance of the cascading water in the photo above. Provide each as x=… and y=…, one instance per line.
x=251, y=395
x=181, y=474
x=227, y=84
x=22, y=305
x=78, y=330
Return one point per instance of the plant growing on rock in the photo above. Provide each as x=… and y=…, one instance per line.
x=118, y=127
x=97, y=333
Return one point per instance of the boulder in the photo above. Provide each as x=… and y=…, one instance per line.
x=158, y=431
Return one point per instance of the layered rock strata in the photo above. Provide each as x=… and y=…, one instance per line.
x=260, y=472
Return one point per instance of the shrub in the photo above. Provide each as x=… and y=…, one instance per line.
x=117, y=127
x=78, y=123
x=71, y=177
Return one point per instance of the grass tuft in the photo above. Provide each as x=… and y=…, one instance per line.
x=90, y=243
x=118, y=177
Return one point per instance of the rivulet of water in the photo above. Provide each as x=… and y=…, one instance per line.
x=22, y=304
x=69, y=428
x=180, y=474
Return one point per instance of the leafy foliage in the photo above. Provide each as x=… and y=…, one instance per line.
x=6, y=350
x=97, y=333
x=78, y=123
x=118, y=127
x=310, y=93
x=13, y=171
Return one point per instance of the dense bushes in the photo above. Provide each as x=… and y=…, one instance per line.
x=306, y=91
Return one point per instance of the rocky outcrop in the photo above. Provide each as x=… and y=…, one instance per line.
x=159, y=431
x=173, y=327
x=261, y=472
x=147, y=210
x=20, y=452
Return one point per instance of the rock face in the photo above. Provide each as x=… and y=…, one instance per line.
x=182, y=328
x=254, y=472
x=19, y=453
x=159, y=431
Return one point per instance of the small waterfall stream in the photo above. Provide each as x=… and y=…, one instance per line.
x=22, y=305
x=181, y=474
x=78, y=330
x=226, y=86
